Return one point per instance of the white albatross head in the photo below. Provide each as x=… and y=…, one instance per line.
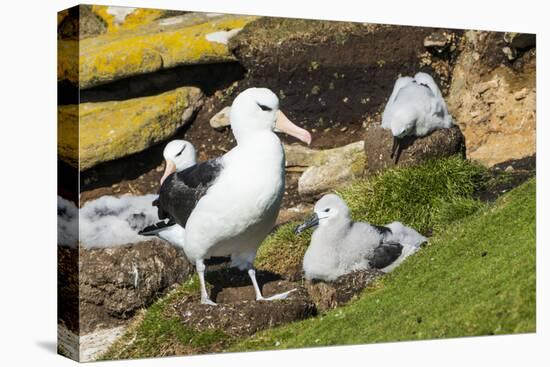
x=257, y=109
x=179, y=155
x=330, y=209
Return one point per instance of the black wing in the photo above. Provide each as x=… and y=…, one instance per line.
x=153, y=229
x=181, y=191
x=385, y=254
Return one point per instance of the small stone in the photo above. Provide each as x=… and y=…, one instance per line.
x=221, y=119
x=315, y=90
x=510, y=53
x=509, y=169
x=437, y=40
x=521, y=94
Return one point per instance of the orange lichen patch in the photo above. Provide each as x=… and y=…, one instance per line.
x=111, y=130
x=164, y=43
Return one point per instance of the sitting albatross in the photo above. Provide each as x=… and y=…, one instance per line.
x=229, y=204
x=415, y=108
x=340, y=246
x=179, y=155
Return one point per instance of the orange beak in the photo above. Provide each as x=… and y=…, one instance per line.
x=285, y=125
x=170, y=168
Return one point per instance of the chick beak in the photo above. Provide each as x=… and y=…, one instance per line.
x=312, y=221
x=170, y=168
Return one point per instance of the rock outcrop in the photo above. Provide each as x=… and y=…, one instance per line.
x=187, y=39
x=439, y=144
x=115, y=282
x=221, y=119
x=493, y=100
x=325, y=169
x=101, y=132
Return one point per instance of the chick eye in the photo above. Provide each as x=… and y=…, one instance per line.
x=181, y=151
x=264, y=107
x=327, y=210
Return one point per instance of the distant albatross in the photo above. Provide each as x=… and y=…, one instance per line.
x=229, y=204
x=415, y=108
x=179, y=155
x=340, y=246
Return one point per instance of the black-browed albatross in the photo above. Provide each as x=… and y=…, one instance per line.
x=229, y=204
x=415, y=108
x=340, y=246
x=179, y=155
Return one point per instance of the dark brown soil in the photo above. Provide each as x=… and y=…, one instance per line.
x=328, y=295
x=67, y=288
x=505, y=176
x=237, y=312
x=331, y=74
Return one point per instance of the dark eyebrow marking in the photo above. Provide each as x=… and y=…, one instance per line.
x=263, y=107
x=181, y=151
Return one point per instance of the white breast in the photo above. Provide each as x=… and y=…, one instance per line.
x=241, y=207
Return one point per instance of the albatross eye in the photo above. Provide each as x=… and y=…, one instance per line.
x=327, y=210
x=264, y=107
x=181, y=151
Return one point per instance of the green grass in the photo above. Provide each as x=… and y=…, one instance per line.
x=158, y=331
x=424, y=197
x=477, y=277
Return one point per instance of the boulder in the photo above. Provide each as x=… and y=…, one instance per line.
x=99, y=132
x=188, y=39
x=116, y=282
x=493, y=100
x=221, y=119
x=237, y=312
x=439, y=144
x=329, y=295
x=325, y=169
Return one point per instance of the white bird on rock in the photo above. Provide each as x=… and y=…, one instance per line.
x=179, y=155
x=415, y=108
x=340, y=246
x=228, y=205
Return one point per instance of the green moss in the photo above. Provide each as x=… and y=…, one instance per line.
x=477, y=277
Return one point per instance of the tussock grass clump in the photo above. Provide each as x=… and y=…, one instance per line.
x=424, y=197
x=413, y=195
x=282, y=251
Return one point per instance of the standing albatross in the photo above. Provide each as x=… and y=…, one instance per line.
x=229, y=204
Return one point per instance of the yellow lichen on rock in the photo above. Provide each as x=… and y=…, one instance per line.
x=67, y=134
x=134, y=17
x=161, y=44
x=115, y=129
